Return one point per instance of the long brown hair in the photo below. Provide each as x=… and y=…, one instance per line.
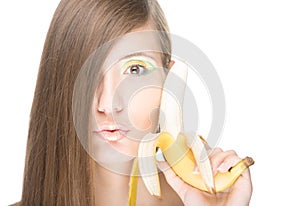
x=58, y=170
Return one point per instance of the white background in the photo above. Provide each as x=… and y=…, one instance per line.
x=255, y=48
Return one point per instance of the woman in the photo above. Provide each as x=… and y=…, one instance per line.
x=73, y=100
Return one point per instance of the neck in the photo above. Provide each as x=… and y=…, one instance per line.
x=110, y=188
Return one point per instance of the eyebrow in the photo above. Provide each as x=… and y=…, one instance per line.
x=139, y=54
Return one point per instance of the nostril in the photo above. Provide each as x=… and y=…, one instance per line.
x=118, y=108
x=106, y=110
x=102, y=110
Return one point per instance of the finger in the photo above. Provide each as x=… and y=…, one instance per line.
x=228, y=162
x=243, y=183
x=214, y=151
x=241, y=190
x=218, y=157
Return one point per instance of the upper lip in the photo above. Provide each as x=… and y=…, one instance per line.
x=111, y=127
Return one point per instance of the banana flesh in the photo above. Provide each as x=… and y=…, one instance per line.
x=182, y=159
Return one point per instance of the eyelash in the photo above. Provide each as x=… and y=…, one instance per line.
x=148, y=67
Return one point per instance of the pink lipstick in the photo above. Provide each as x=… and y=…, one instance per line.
x=111, y=132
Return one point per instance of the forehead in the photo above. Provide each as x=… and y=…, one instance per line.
x=141, y=43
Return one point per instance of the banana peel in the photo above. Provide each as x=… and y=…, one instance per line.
x=133, y=184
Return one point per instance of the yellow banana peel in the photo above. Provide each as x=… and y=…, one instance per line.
x=133, y=184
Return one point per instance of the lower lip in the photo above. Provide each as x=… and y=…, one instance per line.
x=114, y=136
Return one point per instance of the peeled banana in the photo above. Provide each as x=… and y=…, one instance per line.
x=182, y=160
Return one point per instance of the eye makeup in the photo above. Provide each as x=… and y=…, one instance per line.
x=137, y=67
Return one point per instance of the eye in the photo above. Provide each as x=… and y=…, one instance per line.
x=137, y=67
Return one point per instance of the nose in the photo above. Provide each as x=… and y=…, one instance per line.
x=110, y=100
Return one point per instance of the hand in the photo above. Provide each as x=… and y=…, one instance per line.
x=238, y=194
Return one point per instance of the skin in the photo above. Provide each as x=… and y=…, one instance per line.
x=139, y=114
x=123, y=104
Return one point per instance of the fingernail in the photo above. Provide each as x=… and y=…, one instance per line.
x=222, y=167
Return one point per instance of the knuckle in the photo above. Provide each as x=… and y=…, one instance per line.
x=214, y=151
x=232, y=152
x=218, y=150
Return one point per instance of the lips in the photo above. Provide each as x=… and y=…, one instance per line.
x=111, y=132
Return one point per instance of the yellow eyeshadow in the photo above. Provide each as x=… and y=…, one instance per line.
x=146, y=64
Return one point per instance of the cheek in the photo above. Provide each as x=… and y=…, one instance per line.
x=143, y=109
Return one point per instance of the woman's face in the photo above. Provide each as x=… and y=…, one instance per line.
x=126, y=105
